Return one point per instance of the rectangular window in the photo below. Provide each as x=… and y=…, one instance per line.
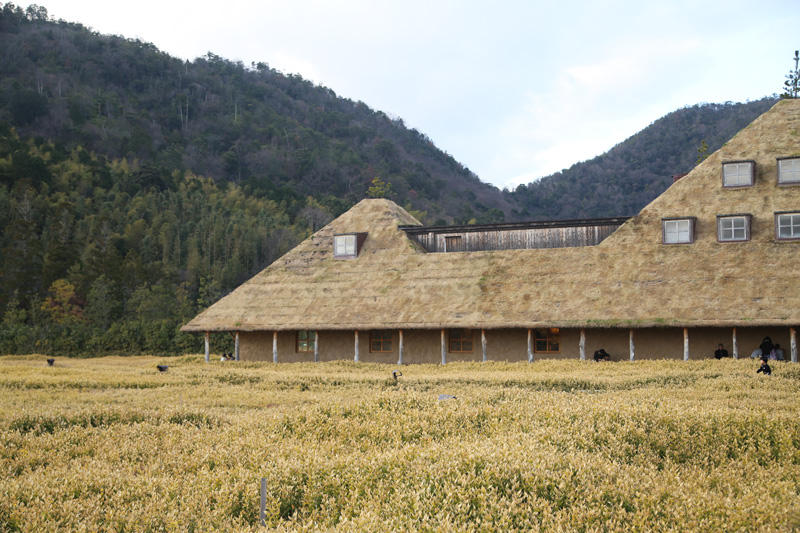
x=305, y=340
x=460, y=340
x=677, y=230
x=738, y=173
x=546, y=340
x=733, y=228
x=789, y=170
x=787, y=226
x=344, y=245
x=454, y=243
x=380, y=341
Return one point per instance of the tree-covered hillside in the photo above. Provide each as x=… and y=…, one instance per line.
x=630, y=175
x=274, y=135
x=136, y=189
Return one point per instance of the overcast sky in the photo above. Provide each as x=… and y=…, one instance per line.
x=514, y=90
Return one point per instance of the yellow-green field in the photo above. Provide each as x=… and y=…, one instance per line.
x=112, y=444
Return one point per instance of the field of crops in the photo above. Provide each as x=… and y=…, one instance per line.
x=112, y=444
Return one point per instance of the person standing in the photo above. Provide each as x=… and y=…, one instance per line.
x=720, y=351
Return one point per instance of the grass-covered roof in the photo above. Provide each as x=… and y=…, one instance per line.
x=630, y=279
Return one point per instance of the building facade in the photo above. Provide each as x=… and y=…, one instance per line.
x=714, y=259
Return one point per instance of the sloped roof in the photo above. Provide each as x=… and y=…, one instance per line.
x=630, y=279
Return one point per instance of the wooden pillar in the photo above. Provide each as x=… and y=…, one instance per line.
x=355, y=357
x=444, y=349
x=316, y=346
x=400, y=347
x=530, y=347
x=274, y=346
x=483, y=344
x=631, y=350
x=685, y=344
x=236, y=346
x=207, y=345
x=582, y=345
x=793, y=343
x=735, y=345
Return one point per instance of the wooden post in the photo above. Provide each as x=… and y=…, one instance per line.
x=444, y=349
x=207, y=345
x=630, y=343
x=316, y=346
x=793, y=343
x=483, y=343
x=355, y=358
x=263, y=508
x=400, y=347
x=530, y=347
x=236, y=346
x=582, y=345
x=735, y=345
x=685, y=344
x=274, y=346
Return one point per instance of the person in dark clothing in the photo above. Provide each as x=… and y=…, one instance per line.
x=601, y=355
x=720, y=351
x=766, y=347
x=764, y=368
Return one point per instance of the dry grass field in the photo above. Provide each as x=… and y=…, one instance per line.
x=112, y=444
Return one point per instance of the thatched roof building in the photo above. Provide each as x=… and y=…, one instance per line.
x=719, y=248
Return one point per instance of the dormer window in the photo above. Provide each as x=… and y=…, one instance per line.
x=738, y=173
x=677, y=230
x=787, y=226
x=789, y=171
x=733, y=228
x=348, y=245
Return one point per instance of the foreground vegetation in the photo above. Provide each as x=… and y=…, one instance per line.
x=112, y=444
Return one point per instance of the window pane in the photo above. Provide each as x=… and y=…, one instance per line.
x=733, y=229
x=789, y=170
x=736, y=174
x=344, y=245
x=677, y=231
x=789, y=226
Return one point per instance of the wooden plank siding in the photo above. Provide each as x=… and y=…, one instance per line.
x=513, y=236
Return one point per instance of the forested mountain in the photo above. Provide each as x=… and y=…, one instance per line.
x=630, y=175
x=272, y=134
x=136, y=189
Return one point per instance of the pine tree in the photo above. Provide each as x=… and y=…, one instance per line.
x=792, y=83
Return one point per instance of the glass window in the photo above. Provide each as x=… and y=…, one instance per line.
x=460, y=340
x=677, y=231
x=733, y=228
x=380, y=341
x=789, y=170
x=344, y=245
x=305, y=340
x=787, y=225
x=546, y=340
x=739, y=174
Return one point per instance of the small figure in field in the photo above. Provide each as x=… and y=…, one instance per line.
x=224, y=357
x=720, y=352
x=766, y=347
x=601, y=355
x=764, y=368
x=777, y=352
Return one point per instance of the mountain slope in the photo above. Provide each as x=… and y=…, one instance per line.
x=274, y=134
x=630, y=175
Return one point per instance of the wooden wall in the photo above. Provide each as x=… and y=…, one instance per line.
x=513, y=239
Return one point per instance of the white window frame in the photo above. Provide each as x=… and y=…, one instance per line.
x=790, y=220
x=789, y=171
x=737, y=225
x=677, y=230
x=738, y=174
x=345, y=245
